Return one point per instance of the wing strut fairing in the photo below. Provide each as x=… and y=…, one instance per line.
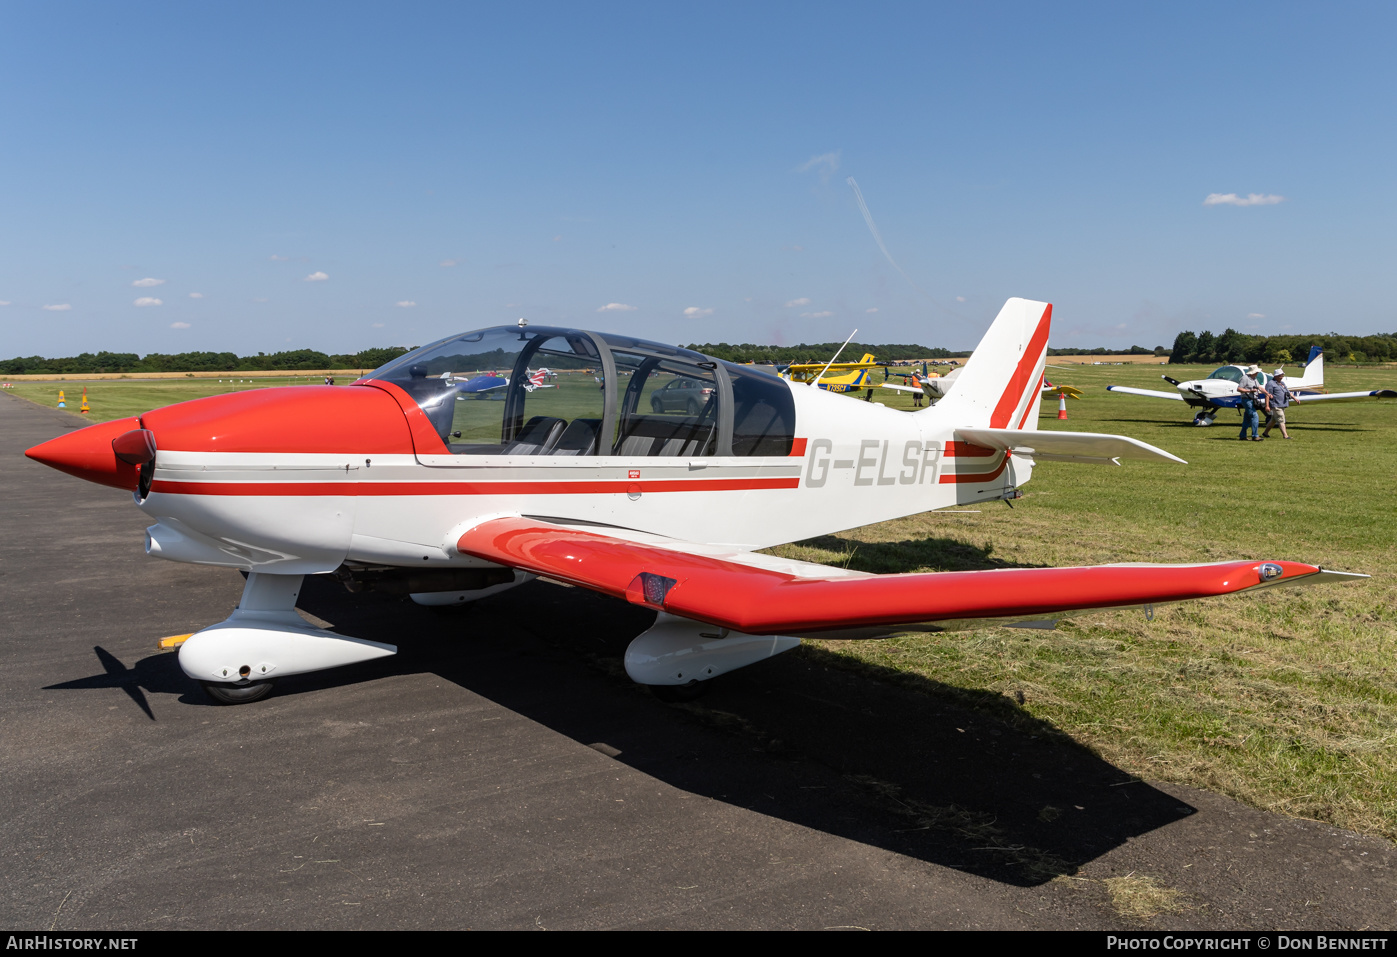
x=756, y=600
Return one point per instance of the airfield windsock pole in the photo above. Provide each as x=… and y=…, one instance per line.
x=1062, y=406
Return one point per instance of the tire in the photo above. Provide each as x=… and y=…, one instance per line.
x=692, y=408
x=224, y=693
x=677, y=694
x=657, y=405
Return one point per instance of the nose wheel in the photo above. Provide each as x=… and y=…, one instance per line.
x=224, y=693
x=1204, y=418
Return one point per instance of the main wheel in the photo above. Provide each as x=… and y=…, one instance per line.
x=692, y=408
x=225, y=693
x=657, y=405
x=675, y=694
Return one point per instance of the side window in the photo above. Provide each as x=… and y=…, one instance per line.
x=764, y=414
x=557, y=400
x=667, y=407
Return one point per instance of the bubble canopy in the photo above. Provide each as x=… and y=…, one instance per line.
x=542, y=390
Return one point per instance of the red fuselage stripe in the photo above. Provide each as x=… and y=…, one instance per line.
x=467, y=488
x=966, y=450
x=958, y=477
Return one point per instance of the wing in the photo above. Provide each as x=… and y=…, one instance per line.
x=1147, y=392
x=900, y=388
x=1072, y=392
x=1086, y=447
x=763, y=595
x=1346, y=396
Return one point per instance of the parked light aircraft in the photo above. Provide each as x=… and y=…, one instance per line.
x=491, y=382
x=936, y=387
x=1220, y=389
x=392, y=483
x=848, y=377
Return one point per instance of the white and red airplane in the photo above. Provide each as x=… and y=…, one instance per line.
x=1220, y=390
x=391, y=482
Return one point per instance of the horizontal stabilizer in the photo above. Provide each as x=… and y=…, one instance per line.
x=1347, y=396
x=1087, y=447
x=769, y=597
x=1152, y=393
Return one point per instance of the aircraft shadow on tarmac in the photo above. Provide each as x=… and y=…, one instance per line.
x=956, y=777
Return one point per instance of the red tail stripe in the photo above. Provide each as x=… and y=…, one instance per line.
x=1023, y=373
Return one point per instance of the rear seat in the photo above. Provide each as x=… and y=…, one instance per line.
x=664, y=435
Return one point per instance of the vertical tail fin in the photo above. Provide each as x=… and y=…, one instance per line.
x=998, y=387
x=1313, y=376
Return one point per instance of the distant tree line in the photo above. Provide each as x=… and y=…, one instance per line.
x=1236, y=347
x=1132, y=351
x=107, y=362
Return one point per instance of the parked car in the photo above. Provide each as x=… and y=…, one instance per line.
x=681, y=395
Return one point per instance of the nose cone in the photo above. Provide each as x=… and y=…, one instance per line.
x=88, y=454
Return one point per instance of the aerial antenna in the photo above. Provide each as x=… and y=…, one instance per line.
x=816, y=380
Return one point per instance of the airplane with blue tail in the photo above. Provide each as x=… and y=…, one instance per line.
x=1220, y=390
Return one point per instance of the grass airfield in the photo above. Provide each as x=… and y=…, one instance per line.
x=1286, y=699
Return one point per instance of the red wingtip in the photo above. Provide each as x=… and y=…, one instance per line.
x=87, y=453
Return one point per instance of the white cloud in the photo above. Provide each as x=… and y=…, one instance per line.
x=406, y=303
x=278, y=259
x=316, y=277
x=873, y=310
x=1256, y=315
x=4, y=302
x=960, y=299
x=816, y=315
x=179, y=325
x=1121, y=325
x=1251, y=199
x=378, y=325
x=617, y=307
x=447, y=262
x=60, y=307
x=694, y=312
x=826, y=163
x=148, y=301
x=196, y=295
x=798, y=302
x=259, y=298
x=558, y=239
x=147, y=283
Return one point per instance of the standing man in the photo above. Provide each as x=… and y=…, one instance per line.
x=920, y=382
x=1252, y=395
x=1280, y=398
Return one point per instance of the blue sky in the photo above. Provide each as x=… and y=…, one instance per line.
x=690, y=164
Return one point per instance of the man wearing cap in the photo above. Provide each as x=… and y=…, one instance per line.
x=1280, y=397
x=1252, y=395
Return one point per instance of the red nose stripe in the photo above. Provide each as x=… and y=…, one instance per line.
x=87, y=453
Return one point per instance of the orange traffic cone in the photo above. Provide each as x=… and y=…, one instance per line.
x=1062, y=406
x=61, y=403
x=84, y=410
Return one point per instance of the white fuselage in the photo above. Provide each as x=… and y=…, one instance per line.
x=854, y=463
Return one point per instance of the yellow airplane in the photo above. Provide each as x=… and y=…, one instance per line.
x=849, y=377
